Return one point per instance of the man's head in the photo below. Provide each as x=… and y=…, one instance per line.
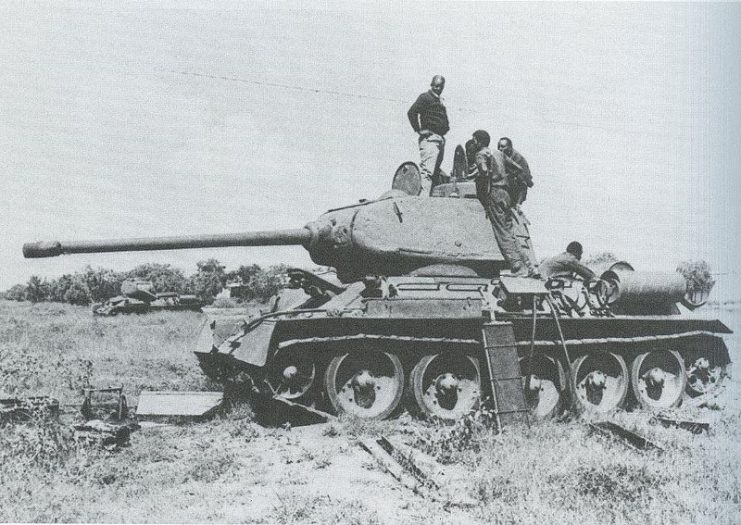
x=481, y=137
x=505, y=146
x=438, y=84
x=575, y=249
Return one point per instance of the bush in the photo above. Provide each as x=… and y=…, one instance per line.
x=697, y=274
x=259, y=283
x=16, y=293
x=601, y=259
x=225, y=302
x=78, y=293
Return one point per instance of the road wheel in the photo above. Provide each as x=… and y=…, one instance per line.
x=366, y=384
x=599, y=382
x=545, y=385
x=658, y=379
x=446, y=386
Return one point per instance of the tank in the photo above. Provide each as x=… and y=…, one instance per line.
x=138, y=296
x=419, y=281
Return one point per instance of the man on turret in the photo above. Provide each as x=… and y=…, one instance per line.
x=566, y=264
x=518, y=171
x=492, y=189
x=429, y=119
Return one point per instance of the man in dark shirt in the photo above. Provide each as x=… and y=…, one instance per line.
x=429, y=119
x=517, y=170
x=492, y=189
x=566, y=264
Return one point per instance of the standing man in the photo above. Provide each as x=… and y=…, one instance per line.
x=429, y=119
x=492, y=189
x=518, y=171
x=566, y=264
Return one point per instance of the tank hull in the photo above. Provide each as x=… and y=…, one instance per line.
x=441, y=319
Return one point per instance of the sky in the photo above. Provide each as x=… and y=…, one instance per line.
x=166, y=118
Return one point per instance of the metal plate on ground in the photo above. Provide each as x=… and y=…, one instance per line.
x=188, y=404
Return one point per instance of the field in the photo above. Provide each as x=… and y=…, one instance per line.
x=232, y=470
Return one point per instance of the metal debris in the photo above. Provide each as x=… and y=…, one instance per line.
x=182, y=404
x=694, y=426
x=390, y=465
x=404, y=465
x=21, y=409
x=632, y=439
x=106, y=435
x=278, y=411
x=109, y=401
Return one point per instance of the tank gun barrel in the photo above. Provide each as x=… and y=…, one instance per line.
x=297, y=236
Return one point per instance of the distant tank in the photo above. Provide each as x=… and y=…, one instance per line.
x=138, y=297
x=418, y=279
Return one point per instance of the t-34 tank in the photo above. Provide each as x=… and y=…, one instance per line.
x=420, y=284
x=138, y=297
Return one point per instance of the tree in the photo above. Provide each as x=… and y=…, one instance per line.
x=102, y=283
x=259, y=283
x=164, y=277
x=271, y=281
x=208, y=281
x=37, y=290
x=697, y=274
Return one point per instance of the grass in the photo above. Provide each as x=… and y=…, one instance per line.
x=232, y=470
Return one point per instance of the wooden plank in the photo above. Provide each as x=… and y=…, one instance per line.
x=188, y=404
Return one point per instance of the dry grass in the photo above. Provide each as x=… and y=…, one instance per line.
x=232, y=470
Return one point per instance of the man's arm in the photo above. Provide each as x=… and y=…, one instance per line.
x=581, y=270
x=517, y=166
x=414, y=111
x=482, y=163
x=525, y=174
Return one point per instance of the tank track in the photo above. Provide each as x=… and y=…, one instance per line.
x=377, y=376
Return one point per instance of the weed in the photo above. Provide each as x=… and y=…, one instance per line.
x=448, y=444
x=213, y=464
x=321, y=509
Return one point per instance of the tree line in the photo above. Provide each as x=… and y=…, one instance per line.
x=99, y=284
x=94, y=285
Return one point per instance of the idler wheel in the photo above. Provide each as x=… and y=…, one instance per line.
x=291, y=375
x=545, y=386
x=599, y=382
x=704, y=374
x=657, y=379
x=367, y=384
x=446, y=386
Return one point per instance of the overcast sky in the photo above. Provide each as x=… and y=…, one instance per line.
x=138, y=119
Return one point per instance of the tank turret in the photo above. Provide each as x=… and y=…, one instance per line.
x=394, y=235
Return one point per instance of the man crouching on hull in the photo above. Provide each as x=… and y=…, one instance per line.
x=566, y=264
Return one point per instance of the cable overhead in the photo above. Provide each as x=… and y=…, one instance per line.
x=459, y=109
